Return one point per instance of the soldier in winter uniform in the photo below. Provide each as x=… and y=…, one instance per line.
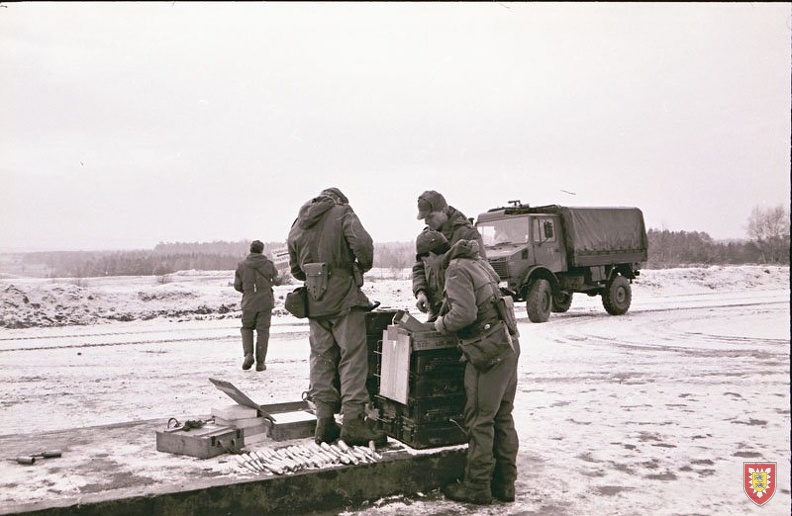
x=253, y=278
x=449, y=221
x=470, y=311
x=330, y=250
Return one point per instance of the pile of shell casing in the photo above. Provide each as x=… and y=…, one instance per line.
x=291, y=459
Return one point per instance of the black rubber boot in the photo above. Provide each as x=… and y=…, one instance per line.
x=261, y=351
x=468, y=493
x=248, y=362
x=247, y=348
x=327, y=430
x=503, y=491
x=355, y=432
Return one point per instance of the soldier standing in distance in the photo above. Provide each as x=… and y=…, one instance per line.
x=330, y=250
x=253, y=278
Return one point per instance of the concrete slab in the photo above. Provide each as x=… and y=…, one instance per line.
x=115, y=469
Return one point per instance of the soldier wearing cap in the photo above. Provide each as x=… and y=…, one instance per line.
x=254, y=278
x=452, y=223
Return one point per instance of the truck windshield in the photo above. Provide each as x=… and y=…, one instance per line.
x=512, y=230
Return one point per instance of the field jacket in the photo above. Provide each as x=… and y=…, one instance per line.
x=254, y=277
x=329, y=232
x=470, y=284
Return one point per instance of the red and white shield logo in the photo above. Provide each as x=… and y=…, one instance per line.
x=759, y=481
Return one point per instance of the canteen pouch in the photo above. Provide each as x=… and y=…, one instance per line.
x=487, y=348
x=296, y=302
x=316, y=275
x=505, y=307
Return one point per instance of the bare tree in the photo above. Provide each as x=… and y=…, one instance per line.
x=769, y=229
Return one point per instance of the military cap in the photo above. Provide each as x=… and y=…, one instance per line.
x=430, y=201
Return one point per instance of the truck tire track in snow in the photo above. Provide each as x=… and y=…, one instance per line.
x=122, y=338
x=654, y=401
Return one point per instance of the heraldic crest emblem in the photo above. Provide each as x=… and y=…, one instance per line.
x=759, y=481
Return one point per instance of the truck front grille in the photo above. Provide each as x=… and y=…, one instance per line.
x=501, y=266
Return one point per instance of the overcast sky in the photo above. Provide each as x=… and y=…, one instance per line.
x=123, y=125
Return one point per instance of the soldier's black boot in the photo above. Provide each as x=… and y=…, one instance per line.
x=247, y=348
x=355, y=432
x=503, y=491
x=327, y=430
x=262, y=343
x=469, y=493
x=248, y=362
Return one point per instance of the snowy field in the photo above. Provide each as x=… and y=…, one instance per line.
x=653, y=412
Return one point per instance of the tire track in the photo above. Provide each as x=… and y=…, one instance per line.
x=658, y=334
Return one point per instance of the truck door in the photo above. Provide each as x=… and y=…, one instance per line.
x=546, y=242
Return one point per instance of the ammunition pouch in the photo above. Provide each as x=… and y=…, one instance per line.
x=296, y=302
x=316, y=275
x=488, y=347
x=504, y=305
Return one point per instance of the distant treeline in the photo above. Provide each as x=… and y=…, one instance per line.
x=667, y=249
x=167, y=258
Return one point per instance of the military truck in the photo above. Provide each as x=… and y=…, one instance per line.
x=545, y=254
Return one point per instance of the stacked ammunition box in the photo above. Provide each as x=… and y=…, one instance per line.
x=421, y=398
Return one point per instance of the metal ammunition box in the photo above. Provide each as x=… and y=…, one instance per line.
x=437, y=361
x=203, y=443
x=283, y=421
x=428, y=386
x=425, y=435
x=432, y=435
x=420, y=382
x=424, y=410
x=379, y=320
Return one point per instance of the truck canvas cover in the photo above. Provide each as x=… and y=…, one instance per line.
x=597, y=236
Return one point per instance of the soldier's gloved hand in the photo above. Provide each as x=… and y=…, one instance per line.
x=439, y=326
x=423, y=301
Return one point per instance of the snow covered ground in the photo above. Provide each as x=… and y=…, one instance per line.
x=653, y=412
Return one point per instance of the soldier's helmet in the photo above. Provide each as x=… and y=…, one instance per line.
x=430, y=240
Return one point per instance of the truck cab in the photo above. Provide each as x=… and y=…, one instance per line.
x=535, y=238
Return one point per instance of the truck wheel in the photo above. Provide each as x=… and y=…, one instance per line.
x=539, y=301
x=617, y=296
x=562, y=301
